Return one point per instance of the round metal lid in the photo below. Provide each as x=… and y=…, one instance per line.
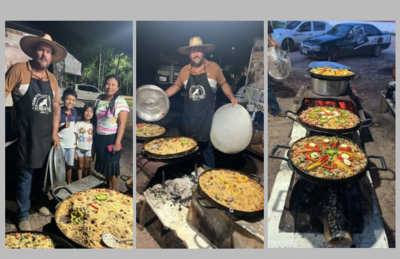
x=152, y=103
x=231, y=129
x=59, y=166
x=279, y=64
x=317, y=64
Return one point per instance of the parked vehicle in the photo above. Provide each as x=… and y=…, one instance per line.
x=347, y=39
x=294, y=32
x=87, y=92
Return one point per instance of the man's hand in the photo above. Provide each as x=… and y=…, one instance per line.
x=56, y=140
x=75, y=155
x=274, y=44
x=234, y=101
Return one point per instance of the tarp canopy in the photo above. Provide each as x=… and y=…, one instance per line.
x=255, y=76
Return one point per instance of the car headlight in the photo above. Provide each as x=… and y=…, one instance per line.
x=277, y=35
x=315, y=47
x=162, y=78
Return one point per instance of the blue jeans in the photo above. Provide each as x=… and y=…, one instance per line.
x=208, y=153
x=272, y=102
x=28, y=179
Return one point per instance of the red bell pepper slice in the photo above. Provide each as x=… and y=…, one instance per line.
x=334, y=166
x=335, y=143
x=175, y=140
x=324, y=145
x=348, y=149
x=93, y=206
x=307, y=145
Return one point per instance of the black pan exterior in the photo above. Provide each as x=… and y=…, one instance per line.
x=332, y=78
x=222, y=207
x=322, y=130
x=319, y=180
x=60, y=241
x=169, y=156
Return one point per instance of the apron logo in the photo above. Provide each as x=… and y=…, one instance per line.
x=197, y=92
x=41, y=103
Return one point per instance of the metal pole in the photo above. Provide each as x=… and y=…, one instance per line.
x=99, y=71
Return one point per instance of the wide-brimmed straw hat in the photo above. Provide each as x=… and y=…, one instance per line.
x=28, y=45
x=196, y=42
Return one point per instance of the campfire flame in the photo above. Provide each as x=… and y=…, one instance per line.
x=347, y=105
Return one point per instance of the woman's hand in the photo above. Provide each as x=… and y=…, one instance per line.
x=116, y=147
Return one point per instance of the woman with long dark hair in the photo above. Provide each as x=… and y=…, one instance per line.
x=111, y=112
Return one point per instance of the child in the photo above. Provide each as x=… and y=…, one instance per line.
x=66, y=130
x=84, y=140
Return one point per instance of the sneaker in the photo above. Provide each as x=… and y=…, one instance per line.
x=43, y=211
x=24, y=226
x=281, y=114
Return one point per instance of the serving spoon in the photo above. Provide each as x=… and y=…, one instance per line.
x=112, y=241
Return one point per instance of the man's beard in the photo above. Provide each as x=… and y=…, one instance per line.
x=38, y=65
x=197, y=64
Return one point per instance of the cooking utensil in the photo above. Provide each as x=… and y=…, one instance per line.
x=125, y=178
x=62, y=243
x=58, y=218
x=152, y=103
x=279, y=64
x=328, y=87
x=361, y=124
x=217, y=205
x=231, y=129
x=230, y=206
x=112, y=241
x=332, y=78
x=153, y=137
x=148, y=153
x=318, y=180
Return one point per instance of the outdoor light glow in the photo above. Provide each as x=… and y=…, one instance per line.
x=233, y=47
x=211, y=55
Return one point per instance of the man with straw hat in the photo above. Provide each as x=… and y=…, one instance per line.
x=37, y=116
x=200, y=79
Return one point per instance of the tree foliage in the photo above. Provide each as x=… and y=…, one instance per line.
x=94, y=72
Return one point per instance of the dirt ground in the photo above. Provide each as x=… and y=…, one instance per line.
x=379, y=139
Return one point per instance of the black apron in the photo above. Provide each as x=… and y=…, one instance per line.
x=34, y=124
x=198, y=107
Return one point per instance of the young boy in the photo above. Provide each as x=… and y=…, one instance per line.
x=66, y=131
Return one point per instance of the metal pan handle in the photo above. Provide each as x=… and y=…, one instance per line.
x=57, y=189
x=258, y=179
x=124, y=177
x=271, y=155
x=195, y=136
x=367, y=125
x=287, y=116
x=383, y=162
x=203, y=205
x=356, y=77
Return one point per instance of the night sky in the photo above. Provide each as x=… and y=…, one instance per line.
x=117, y=34
x=223, y=34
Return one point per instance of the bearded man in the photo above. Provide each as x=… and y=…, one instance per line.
x=200, y=79
x=36, y=120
